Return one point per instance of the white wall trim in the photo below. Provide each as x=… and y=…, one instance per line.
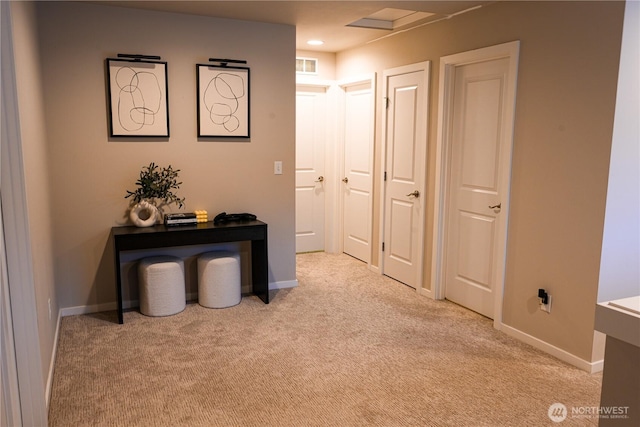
x=52, y=364
x=426, y=292
x=88, y=309
x=591, y=367
x=285, y=284
x=314, y=82
x=9, y=391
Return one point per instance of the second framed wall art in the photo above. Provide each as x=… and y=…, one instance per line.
x=223, y=101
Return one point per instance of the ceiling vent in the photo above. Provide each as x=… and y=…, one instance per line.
x=306, y=66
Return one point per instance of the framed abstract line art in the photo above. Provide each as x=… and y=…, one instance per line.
x=138, y=98
x=223, y=101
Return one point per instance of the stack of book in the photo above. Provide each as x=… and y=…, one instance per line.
x=180, y=219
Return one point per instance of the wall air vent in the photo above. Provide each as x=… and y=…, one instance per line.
x=307, y=65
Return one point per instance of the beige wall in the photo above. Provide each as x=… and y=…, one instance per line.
x=90, y=172
x=35, y=151
x=564, y=117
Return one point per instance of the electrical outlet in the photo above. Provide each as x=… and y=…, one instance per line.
x=277, y=167
x=546, y=307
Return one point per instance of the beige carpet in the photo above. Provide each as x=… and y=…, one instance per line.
x=346, y=348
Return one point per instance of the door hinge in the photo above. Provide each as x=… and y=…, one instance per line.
x=382, y=246
x=386, y=102
x=385, y=176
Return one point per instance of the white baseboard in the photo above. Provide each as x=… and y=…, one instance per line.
x=565, y=356
x=109, y=306
x=597, y=366
x=88, y=309
x=283, y=285
x=426, y=293
x=52, y=363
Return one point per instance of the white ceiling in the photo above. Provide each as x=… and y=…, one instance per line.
x=324, y=20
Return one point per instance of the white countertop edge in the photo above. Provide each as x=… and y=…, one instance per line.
x=620, y=319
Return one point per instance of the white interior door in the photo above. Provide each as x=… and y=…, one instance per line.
x=406, y=89
x=357, y=178
x=482, y=99
x=310, y=154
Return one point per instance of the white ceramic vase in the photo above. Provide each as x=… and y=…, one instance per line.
x=143, y=214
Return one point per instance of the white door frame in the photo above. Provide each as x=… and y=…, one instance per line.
x=10, y=390
x=420, y=66
x=343, y=85
x=443, y=154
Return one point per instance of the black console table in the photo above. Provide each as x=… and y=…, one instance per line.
x=130, y=238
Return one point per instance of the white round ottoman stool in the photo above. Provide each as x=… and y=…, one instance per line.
x=219, y=279
x=161, y=282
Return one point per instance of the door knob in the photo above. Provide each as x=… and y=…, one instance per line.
x=345, y=179
x=414, y=194
x=498, y=206
x=320, y=179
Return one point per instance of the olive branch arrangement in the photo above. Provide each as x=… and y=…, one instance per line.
x=157, y=184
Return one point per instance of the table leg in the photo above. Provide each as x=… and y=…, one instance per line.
x=260, y=269
x=118, y=284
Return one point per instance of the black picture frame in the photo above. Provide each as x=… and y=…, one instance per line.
x=223, y=97
x=138, y=98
